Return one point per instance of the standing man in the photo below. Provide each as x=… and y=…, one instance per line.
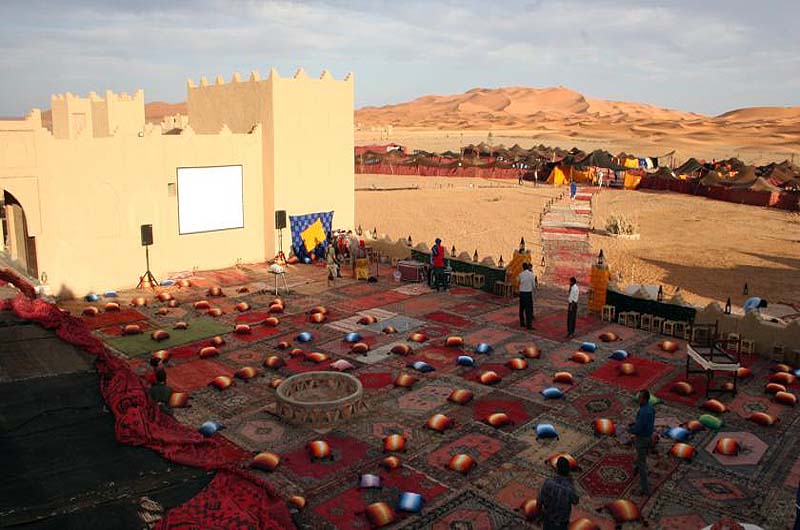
x=353, y=248
x=643, y=430
x=797, y=509
x=572, y=307
x=437, y=258
x=526, y=284
x=573, y=190
x=557, y=497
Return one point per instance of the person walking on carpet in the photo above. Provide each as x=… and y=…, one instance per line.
x=437, y=257
x=643, y=430
x=557, y=497
x=572, y=307
x=526, y=284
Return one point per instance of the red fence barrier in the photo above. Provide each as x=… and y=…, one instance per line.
x=437, y=171
x=771, y=199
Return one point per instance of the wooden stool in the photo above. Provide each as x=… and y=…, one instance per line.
x=608, y=312
x=747, y=346
x=478, y=281
x=462, y=278
x=779, y=353
x=622, y=318
x=646, y=322
x=669, y=327
x=504, y=289
x=735, y=339
x=658, y=324
x=679, y=329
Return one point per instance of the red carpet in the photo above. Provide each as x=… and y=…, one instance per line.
x=190, y=351
x=554, y=325
x=449, y=318
x=346, y=452
x=698, y=383
x=196, y=374
x=648, y=374
x=374, y=381
x=113, y=318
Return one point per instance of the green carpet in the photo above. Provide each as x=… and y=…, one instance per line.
x=199, y=329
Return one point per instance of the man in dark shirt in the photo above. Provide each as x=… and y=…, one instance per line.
x=643, y=430
x=160, y=392
x=556, y=498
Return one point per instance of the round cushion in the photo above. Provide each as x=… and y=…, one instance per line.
x=531, y=352
x=391, y=462
x=159, y=335
x=242, y=329
x=208, y=351
x=181, y=325
x=265, y=461
x=546, y=430
x=305, y=336
x=498, y=419
x=682, y=388
x=342, y=365
x=405, y=381
x=773, y=388
x=668, y=346
x=461, y=463
x=317, y=357
x=604, y=427
x=727, y=447
x=91, y=311
x=517, y=364
x=786, y=398
x=179, y=400
x=360, y=348
x=563, y=377
x=352, y=337
x=619, y=355
x=454, y=342
x=417, y=337
x=367, y=320
x=394, y=442
x=490, y=377
x=763, y=419
x=483, y=348
x=460, y=396
x=439, y=422
x=465, y=360
x=217, y=340
x=271, y=322
x=608, y=336
x=242, y=307
x=401, y=349
x=714, y=405
x=273, y=361
x=552, y=393
x=623, y=511
x=317, y=318
x=711, y=422
x=627, y=369
x=215, y=312
x=581, y=358
x=319, y=449
x=682, y=451
x=221, y=382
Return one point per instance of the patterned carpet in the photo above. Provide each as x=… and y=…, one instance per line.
x=757, y=486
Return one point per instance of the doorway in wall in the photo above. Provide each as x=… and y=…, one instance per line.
x=19, y=246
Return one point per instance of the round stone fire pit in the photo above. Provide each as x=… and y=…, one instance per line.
x=320, y=399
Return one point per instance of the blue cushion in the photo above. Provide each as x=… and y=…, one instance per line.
x=422, y=366
x=465, y=360
x=679, y=434
x=352, y=337
x=410, y=502
x=546, y=430
x=370, y=481
x=797, y=372
x=483, y=348
x=167, y=283
x=209, y=428
x=305, y=337
x=110, y=294
x=552, y=393
x=589, y=347
x=92, y=297
x=619, y=355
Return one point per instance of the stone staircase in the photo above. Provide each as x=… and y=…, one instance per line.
x=564, y=230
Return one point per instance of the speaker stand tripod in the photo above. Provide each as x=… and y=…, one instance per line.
x=147, y=277
x=281, y=256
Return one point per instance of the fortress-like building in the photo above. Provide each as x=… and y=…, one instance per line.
x=76, y=194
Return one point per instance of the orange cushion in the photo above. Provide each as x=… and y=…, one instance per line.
x=180, y=325
x=517, y=364
x=112, y=307
x=581, y=357
x=623, y=511
x=727, y=446
x=489, y=377
x=159, y=335
x=131, y=329
x=682, y=388
x=773, y=388
x=246, y=373
x=439, y=422
x=402, y=349
x=208, y=351
x=763, y=419
x=454, y=342
x=390, y=462
x=563, y=377
x=627, y=369
x=531, y=352
x=715, y=406
x=498, y=419
x=668, y=346
x=217, y=340
x=394, y=442
x=222, y=382
x=460, y=396
x=215, y=312
x=242, y=306
x=179, y=400
x=317, y=318
x=604, y=426
x=405, y=381
x=417, y=337
x=461, y=463
x=530, y=509
x=242, y=329
x=682, y=451
x=380, y=514
x=271, y=322
x=609, y=336
x=367, y=320
x=319, y=449
x=360, y=348
x=202, y=305
x=786, y=398
x=553, y=459
x=265, y=461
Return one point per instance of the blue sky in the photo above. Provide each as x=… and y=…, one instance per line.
x=702, y=56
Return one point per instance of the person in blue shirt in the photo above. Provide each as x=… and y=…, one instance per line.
x=797, y=509
x=754, y=304
x=573, y=190
x=557, y=497
x=643, y=430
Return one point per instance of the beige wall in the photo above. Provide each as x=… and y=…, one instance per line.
x=765, y=333
x=87, y=187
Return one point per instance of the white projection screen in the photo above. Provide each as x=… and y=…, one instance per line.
x=209, y=199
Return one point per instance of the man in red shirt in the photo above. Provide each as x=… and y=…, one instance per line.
x=437, y=256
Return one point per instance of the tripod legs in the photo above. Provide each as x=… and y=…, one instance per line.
x=147, y=278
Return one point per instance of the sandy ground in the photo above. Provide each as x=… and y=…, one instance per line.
x=472, y=214
x=707, y=248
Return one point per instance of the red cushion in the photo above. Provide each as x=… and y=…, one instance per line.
x=159, y=335
x=380, y=514
x=454, y=342
x=402, y=349
x=682, y=451
x=786, y=398
x=682, y=388
x=360, y=348
x=623, y=511
x=727, y=446
x=394, y=442
x=604, y=426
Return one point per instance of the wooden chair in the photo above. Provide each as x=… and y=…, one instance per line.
x=779, y=353
x=658, y=325
x=747, y=346
x=462, y=278
x=632, y=319
x=679, y=328
x=668, y=327
x=646, y=322
x=504, y=289
x=608, y=312
x=622, y=317
x=478, y=281
x=735, y=341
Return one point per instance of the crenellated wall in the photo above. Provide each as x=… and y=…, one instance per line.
x=88, y=186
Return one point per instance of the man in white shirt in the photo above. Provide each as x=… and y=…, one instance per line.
x=526, y=284
x=572, y=309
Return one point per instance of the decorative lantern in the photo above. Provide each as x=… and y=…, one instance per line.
x=500, y=263
x=475, y=256
x=409, y=240
x=522, y=245
x=660, y=296
x=375, y=233
x=453, y=252
x=728, y=306
x=542, y=260
x=359, y=231
x=600, y=257
x=745, y=290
